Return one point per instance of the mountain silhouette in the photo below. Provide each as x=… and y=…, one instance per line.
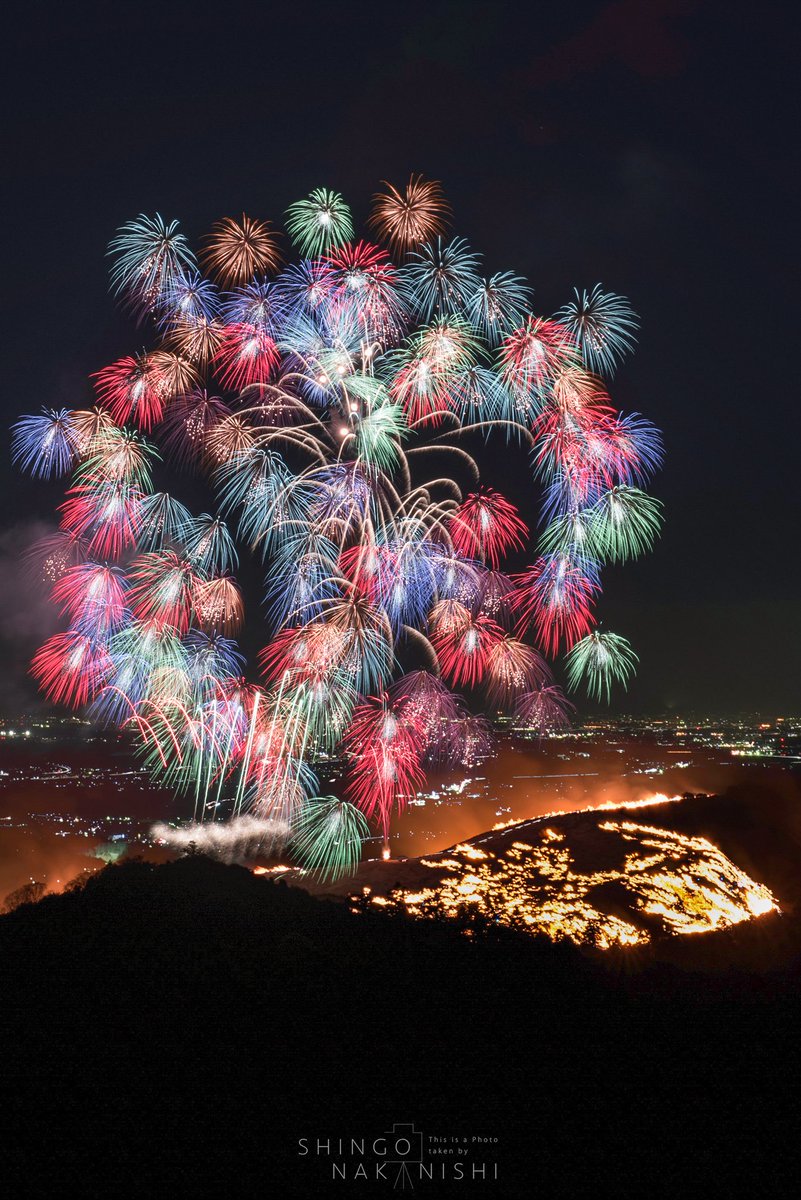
x=178, y=1028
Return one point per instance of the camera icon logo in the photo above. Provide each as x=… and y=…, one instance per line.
x=404, y=1144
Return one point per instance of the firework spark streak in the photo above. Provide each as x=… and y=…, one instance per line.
x=326, y=403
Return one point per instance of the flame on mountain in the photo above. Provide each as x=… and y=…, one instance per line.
x=651, y=881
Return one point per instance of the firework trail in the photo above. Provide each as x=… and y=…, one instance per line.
x=326, y=403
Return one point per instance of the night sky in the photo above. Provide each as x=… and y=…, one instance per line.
x=646, y=144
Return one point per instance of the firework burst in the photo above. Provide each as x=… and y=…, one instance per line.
x=325, y=403
x=237, y=250
x=319, y=223
x=598, y=661
x=603, y=325
x=409, y=218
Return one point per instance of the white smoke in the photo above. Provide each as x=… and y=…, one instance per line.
x=234, y=841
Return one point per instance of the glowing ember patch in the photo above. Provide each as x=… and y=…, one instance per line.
x=671, y=883
x=469, y=851
x=716, y=894
x=646, y=802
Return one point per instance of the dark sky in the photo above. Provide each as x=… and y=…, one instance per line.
x=646, y=144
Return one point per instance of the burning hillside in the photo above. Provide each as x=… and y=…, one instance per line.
x=597, y=878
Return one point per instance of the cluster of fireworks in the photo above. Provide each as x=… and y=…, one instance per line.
x=330, y=403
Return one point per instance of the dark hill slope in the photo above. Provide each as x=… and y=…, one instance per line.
x=176, y=1028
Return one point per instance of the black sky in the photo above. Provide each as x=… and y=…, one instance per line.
x=646, y=144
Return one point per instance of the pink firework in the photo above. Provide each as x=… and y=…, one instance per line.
x=426, y=707
x=545, y=710
x=92, y=596
x=218, y=605
x=512, y=669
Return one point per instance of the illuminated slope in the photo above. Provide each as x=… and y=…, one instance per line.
x=593, y=878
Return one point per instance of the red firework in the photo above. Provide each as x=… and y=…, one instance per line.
x=545, y=710
x=136, y=389
x=306, y=654
x=555, y=597
x=421, y=391
x=532, y=355
x=579, y=444
x=486, y=526
x=109, y=519
x=247, y=355
x=367, y=280
x=363, y=565
x=163, y=589
x=462, y=642
x=71, y=668
x=360, y=266
x=385, y=757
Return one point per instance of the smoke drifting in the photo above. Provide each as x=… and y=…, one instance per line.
x=36, y=854
x=523, y=780
x=238, y=841
x=28, y=617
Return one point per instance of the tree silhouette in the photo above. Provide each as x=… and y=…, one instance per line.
x=29, y=893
